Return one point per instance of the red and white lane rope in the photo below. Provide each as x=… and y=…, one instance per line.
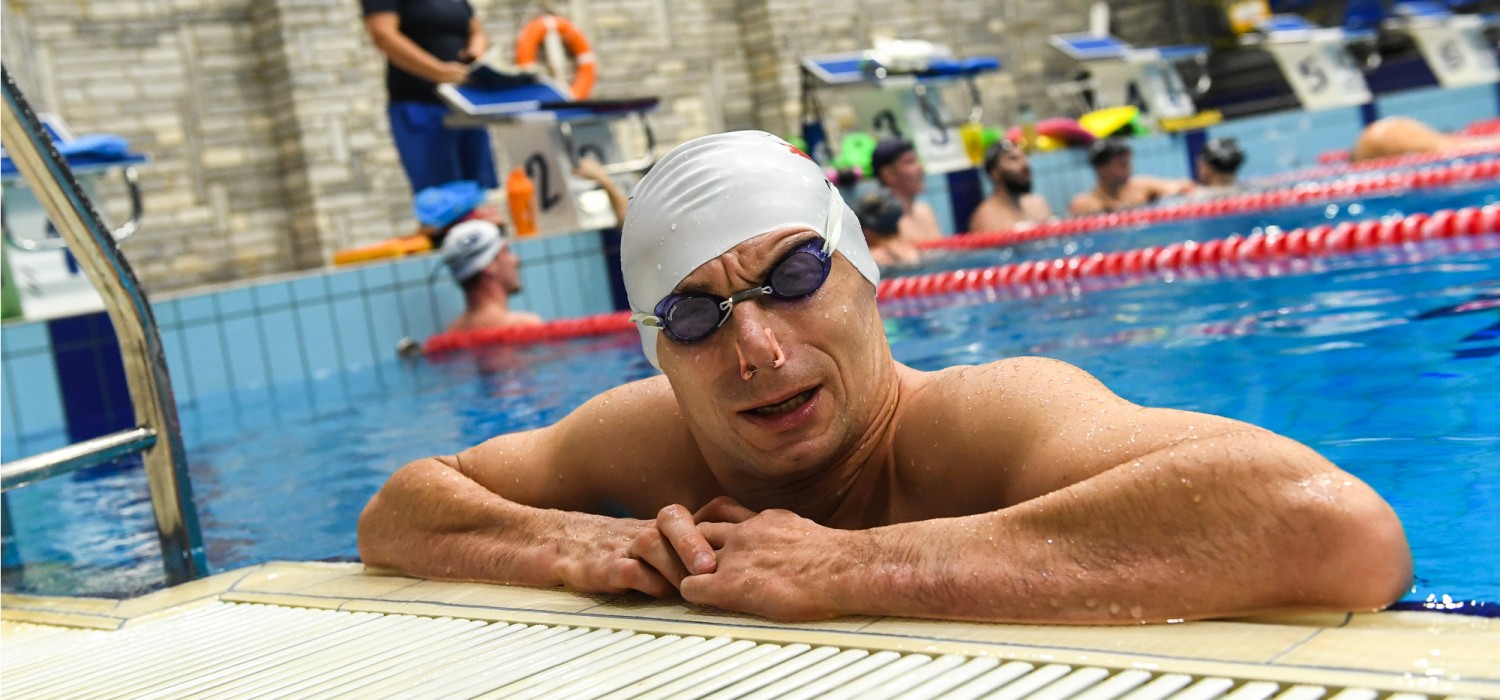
x=1445, y=176
x=1303, y=243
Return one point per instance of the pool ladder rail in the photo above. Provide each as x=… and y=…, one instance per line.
x=157, y=435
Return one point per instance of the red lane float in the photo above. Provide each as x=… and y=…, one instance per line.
x=1303, y=243
x=1331, y=166
x=561, y=329
x=1446, y=176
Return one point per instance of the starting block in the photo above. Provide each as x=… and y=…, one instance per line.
x=1315, y=60
x=1453, y=45
x=48, y=282
x=1118, y=68
x=893, y=92
x=543, y=131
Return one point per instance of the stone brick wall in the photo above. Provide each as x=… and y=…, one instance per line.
x=265, y=119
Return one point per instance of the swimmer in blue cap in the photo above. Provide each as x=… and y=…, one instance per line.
x=784, y=464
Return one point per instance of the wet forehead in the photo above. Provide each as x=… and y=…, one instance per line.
x=747, y=262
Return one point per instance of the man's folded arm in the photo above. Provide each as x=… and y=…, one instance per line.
x=522, y=508
x=1220, y=526
x=1117, y=513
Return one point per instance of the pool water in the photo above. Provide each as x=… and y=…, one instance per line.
x=1386, y=363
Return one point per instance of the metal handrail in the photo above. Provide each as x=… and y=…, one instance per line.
x=50, y=178
x=79, y=455
x=126, y=230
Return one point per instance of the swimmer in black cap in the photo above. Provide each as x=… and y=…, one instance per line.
x=1117, y=186
x=880, y=215
x=1013, y=204
x=1218, y=165
x=895, y=166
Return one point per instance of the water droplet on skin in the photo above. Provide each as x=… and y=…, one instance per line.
x=1135, y=611
x=1114, y=608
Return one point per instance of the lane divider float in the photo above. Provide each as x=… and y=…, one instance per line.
x=1319, y=241
x=1446, y=176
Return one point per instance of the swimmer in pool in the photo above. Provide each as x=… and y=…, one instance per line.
x=1218, y=167
x=483, y=264
x=1013, y=204
x=1117, y=186
x=785, y=465
x=897, y=168
x=1399, y=136
x=880, y=213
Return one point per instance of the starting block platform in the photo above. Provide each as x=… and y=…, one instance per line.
x=540, y=129
x=1453, y=45
x=1118, y=68
x=48, y=281
x=892, y=90
x=1315, y=60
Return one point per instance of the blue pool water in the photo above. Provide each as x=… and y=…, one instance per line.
x=1385, y=363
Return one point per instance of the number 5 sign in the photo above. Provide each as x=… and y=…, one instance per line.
x=1321, y=72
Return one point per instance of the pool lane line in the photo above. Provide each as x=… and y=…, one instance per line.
x=1312, y=242
x=1426, y=178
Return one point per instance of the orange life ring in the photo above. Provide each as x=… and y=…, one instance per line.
x=583, y=55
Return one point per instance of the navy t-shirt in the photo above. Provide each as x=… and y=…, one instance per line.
x=440, y=27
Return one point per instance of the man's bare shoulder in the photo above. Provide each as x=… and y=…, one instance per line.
x=626, y=449
x=966, y=435
x=1084, y=203
x=643, y=415
x=920, y=224
x=1035, y=207
x=999, y=384
x=991, y=216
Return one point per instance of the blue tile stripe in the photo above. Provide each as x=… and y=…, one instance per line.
x=90, y=376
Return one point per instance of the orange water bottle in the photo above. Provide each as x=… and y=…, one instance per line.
x=521, y=195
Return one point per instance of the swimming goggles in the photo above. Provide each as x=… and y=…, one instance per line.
x=693, y=316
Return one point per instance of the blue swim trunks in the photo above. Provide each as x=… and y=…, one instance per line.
x=433, y=154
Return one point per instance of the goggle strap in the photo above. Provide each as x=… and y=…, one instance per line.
x=834, y=226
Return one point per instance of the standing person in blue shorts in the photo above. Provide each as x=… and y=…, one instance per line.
x=428, y=42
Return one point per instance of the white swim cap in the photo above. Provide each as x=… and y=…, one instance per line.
x=470, y=246
x=715, y=192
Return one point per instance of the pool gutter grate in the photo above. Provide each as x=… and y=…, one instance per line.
x=239, y=650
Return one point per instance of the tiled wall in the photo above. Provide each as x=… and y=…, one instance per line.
x=61, y=380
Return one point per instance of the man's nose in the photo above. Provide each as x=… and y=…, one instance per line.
x=755, y=342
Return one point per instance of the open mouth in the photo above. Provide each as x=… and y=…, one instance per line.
x=787, y=406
